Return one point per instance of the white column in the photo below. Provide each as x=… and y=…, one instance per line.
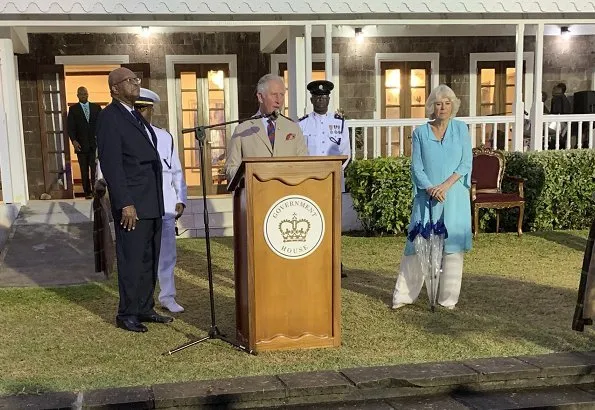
x=537, y=110
x=518, y=106
x=296, y=69
x=308, y=65
x=328, y=52
x=12, y=148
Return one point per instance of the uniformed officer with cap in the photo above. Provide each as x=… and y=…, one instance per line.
x=174, y=200
x=325, y=132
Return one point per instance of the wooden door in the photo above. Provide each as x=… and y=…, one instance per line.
x=51, y=96
x=204, y=99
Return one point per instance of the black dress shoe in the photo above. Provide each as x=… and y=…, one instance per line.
x=131, y=325
x=155, y=318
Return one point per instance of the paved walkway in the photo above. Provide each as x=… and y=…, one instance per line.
x=50, y=244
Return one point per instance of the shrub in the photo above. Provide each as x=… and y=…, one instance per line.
x=558, y=191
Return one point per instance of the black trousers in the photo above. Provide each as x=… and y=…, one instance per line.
x=138, y=262
x=86, y=163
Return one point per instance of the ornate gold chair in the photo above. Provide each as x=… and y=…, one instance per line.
x=486, y=187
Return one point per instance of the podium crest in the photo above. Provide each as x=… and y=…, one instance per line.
x=294, y=227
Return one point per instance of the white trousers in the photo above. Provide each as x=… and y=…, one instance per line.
x=411, y=280
x=167, y=260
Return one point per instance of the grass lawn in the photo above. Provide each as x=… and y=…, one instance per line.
x=518, y=297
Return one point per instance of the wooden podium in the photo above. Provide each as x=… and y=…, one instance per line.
x=287, y=244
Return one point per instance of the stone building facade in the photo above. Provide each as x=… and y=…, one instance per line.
x=568, y=61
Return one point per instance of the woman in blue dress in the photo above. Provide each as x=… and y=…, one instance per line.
x=441, y=172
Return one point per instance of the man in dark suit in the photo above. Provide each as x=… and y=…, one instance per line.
x=132, y=169
x=82, y=121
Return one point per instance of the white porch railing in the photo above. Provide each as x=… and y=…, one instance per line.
x=556, y=130
x=385, y=138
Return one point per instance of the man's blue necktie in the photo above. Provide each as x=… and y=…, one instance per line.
x=271, y=132
x=86, y=111
x=144, y=124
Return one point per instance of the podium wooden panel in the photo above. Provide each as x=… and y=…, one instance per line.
x=285, y=299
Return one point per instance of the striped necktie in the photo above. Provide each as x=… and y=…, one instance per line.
x=86, y=111
x=271, y=132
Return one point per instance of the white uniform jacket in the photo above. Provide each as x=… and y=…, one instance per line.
x=326, y=135
x=174, y=186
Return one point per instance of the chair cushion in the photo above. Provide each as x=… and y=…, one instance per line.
x=484, y=198
x=485, y=171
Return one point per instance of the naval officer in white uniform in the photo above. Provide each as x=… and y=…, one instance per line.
x=325, y=133
x=174, y=200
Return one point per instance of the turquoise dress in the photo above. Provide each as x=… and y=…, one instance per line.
x=432, y=162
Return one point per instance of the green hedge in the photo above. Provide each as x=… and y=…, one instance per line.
x=558, y=190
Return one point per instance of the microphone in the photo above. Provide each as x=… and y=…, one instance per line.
x=274, y=115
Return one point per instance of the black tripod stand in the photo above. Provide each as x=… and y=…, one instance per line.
x=214, y=332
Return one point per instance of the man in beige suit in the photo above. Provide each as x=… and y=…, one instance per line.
x=273, y=136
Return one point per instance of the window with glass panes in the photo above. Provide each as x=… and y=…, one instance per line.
x=496, y=87
x=495, y=96
x=405, y=87
x=318, y=73
x=203, y=100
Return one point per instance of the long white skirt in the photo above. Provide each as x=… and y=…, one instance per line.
x=411, y=280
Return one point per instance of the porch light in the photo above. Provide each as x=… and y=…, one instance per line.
x=359, y=35
x=564, y=31
x=144, y=31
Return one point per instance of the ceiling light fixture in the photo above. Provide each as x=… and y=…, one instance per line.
x=565, y=31
x=359, y=35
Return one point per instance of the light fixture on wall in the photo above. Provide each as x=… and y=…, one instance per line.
x=145, y=31
x=565, y=31
x=359, y=35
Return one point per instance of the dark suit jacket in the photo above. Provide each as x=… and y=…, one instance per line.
x=561, y=105
x=81, y=130
x=130, y=164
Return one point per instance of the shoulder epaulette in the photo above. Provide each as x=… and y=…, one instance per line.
x=340, y=116
x=303, y=118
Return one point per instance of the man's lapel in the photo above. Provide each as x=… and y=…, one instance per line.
x=130, y=118
x=280, y=133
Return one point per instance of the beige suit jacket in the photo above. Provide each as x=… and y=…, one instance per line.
x=250, y=139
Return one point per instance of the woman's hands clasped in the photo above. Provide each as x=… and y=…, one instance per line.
x=438, y=192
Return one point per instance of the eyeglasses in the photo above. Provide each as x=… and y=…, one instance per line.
x=134, y=80
x=321, y=97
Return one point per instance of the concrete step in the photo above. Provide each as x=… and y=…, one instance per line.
x=8, y=214
x=553, y=381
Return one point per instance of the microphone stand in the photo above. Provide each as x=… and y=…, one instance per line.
x=214, y=333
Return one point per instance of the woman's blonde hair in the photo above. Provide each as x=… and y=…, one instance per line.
x=437, y=94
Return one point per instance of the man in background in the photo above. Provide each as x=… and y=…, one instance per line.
x=325, y=132
x=174, y=201
x=560, y=103
x=81, y=125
